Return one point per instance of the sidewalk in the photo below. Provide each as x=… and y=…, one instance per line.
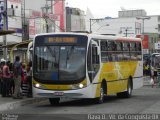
x=8, y=103
x=146, y=81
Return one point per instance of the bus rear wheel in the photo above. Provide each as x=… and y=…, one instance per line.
x=128, y=93
x=54, y=101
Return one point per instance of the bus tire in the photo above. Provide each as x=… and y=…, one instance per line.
x=100, y=99
x=54, y=101
x=128, y=93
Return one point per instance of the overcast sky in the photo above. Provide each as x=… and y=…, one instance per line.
x=104, y=8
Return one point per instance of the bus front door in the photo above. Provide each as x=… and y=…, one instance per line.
x=93, y=61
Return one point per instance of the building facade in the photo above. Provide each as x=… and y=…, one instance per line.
x=131, y=23
x=13, y=21
x=75, y=19
x=45, y=17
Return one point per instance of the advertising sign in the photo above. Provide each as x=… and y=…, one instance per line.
x=59, y=11
x=36, y=23
x=157, y=46
x=145, y=41
x=32, y=27
x=1, y=14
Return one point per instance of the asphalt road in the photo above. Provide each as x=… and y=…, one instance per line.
x=145, y=100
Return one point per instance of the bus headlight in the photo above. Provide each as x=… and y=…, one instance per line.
x=79, y=86
x=37, y=85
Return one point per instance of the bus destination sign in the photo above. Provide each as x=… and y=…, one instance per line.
x=62, y=40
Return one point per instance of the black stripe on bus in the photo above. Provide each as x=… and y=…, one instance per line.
x=119, y=80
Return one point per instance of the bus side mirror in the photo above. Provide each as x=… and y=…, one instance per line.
x=31, y=50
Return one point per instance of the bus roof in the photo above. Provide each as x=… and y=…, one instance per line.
x=98, y=36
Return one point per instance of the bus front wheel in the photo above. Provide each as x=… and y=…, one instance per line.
x=100, y=99
x=54, y=101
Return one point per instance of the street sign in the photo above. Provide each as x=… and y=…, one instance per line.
x=145, y=51
x=157, y=46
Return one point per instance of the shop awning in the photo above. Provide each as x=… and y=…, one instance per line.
x=6, y=32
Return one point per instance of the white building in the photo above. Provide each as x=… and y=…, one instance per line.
x=75, y=19
x=128, y=24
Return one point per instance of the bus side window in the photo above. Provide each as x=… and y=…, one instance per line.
x=119, y=51
x=133, y=51
x=139, y=46
x=95, y=57
x=103, y=45
x=114, y=52
x=110, y=50
x=104, y=51
x=139, y=51
x=126, y=51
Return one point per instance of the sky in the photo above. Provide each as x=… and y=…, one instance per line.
x=110, y=8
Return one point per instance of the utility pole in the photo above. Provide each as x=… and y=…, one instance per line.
x=5, y=28
x=54, y=23
x=143, y=18
x=45, y=15
x=51, y=7
x=23, y=19
x=126, y=30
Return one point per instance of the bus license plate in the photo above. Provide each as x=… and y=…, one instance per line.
x=58, y=93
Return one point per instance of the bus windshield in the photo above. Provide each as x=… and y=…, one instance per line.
x=59, y=62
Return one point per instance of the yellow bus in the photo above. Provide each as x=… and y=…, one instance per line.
x=81, y=65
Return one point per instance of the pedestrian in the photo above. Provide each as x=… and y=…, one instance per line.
x=6, y=80
x=1, y=66
x=152, y=82
x=153, y=76
x=1, y=76
x=29, y=78
x=17, y=70
x=12, y=86
x=24, y=83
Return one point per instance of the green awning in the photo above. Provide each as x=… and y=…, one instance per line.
x=6, y=32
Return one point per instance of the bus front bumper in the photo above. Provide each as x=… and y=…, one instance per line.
x=87, y=92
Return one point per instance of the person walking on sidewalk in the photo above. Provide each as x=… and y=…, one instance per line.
x=29, y=78
x=24, y=84
x=12, y=85
x=17, y=70
x=1, y=76
x=6, y=80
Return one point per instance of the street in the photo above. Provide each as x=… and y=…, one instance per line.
x=144, y=101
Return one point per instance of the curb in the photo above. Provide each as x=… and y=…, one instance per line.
x=16, y=104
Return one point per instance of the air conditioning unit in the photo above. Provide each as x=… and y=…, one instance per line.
x=10, y=12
